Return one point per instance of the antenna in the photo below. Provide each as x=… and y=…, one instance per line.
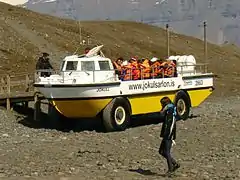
x=98, y=9
x=135, y=4
x=80, y=31
x=81, y=42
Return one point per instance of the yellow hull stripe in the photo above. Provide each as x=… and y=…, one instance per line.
x=140, y=104
x=149, y=103
x=198, y=96
x=80, y=108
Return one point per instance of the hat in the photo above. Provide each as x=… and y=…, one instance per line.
x=45, y=54
x=125, y=63
x=154, y=59
x=134, y=58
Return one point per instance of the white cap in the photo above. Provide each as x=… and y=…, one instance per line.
x=154, y=59
x=125, y=63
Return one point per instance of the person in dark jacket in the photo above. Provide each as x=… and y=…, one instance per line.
x=168, y=133
x=43, y=63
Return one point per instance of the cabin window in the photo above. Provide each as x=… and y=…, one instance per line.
x=104, y=65
x=88, y=66
x=71, y=65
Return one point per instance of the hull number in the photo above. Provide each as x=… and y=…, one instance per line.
x=188, y=83
x=102, y=89
x=198, y=82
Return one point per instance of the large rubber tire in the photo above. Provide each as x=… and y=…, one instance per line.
x=116, y=115
x=182, y=102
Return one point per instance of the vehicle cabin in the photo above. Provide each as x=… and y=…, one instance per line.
x=88, y=69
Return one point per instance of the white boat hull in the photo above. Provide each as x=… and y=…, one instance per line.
x=144, y=95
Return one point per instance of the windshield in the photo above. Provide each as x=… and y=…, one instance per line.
x=88, y=66
x=71, y=65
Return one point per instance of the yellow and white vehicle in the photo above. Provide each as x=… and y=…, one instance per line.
x=88, y=86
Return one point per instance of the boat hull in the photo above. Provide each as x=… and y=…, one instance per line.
x=84, y=108
x=140, y=104
x=144, y=96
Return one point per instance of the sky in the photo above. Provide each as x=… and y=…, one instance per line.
x=14, y=2
x=223, y=16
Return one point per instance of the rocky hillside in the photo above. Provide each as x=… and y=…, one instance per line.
x=25, y=34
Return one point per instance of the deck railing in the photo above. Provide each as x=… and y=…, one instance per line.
x=181, y=69
x=17, y=83
x=23, y=82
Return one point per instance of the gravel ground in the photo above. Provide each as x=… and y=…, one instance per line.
x=208, y=147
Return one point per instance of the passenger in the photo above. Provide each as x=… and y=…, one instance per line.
x=165, y=66
x=126, y=71
x=155, y=67
x=161, y=68
x=120, y=61
x=134, y=68
x=134, y=58
x=146, y=69
x=141, y=60
x=44, y=64
x=171, y=68
x=118, y=64
x=174, y=62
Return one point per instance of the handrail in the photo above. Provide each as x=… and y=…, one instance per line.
x=180, y=69
x=23, y=82
x=60, y=71
x=15, y=83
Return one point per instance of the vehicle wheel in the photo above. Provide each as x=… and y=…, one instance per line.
x=182, y=102
x=116, y=115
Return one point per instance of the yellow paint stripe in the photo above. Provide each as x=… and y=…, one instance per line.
x=198, y=96
x=149, y=103
x=81, y=108
x=140, y=104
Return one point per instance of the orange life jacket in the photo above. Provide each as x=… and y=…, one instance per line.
x=126, y=72
x=146, y=69
x=165, y=68
x=170, y=69
x=135, y=71
x=156, y=69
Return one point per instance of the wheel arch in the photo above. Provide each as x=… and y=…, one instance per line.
x=116, y=97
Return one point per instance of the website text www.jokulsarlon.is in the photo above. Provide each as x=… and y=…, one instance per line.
x=151, y=85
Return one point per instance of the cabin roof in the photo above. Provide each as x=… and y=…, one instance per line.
x=84, y=58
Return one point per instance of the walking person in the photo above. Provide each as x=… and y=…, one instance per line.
x=168, y=133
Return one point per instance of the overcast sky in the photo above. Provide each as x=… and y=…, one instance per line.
x=14, y=2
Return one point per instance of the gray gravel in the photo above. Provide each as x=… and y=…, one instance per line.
x=208, y=147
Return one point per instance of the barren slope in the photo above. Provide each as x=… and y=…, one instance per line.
x=25, y=34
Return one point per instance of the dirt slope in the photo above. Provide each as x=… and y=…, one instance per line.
x=25, y=34
x=207, y=147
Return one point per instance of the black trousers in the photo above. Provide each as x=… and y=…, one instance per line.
x=165, y=151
